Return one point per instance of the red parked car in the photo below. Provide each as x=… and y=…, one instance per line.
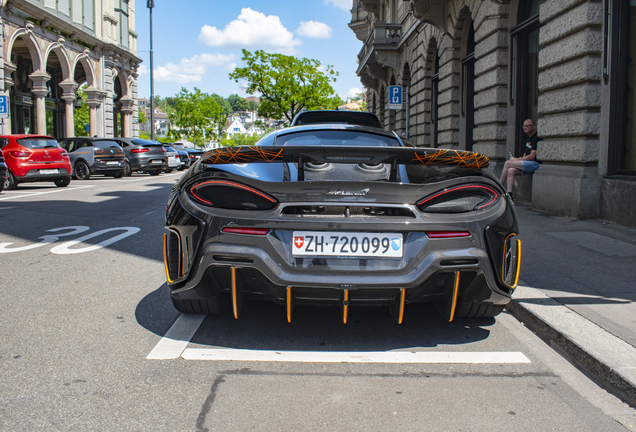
x=34, y=158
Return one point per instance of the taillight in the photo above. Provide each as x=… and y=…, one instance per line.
x=249, y=231
x=63, y=152
x=139, y=150
x=100, y=151
x=447, y=234
x=459, y=199
x=230, y=195
x=163, y=149
x=20, y=154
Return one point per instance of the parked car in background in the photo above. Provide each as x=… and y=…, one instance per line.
x=183, y=155
x=3, y=171
x=194, y=154
x=143, y=155
x=34, y=158
x=174, y=161
x=94, y=156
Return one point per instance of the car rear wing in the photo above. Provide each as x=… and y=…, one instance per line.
x=346, y=154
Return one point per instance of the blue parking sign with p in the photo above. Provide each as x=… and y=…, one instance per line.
x=4, y=107
x=395, y=97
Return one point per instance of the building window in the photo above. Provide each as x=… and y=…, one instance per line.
x=524, y=71
x=468, y=88
x=621, y=75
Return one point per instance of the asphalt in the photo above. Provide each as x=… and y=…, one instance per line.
x=577, y=291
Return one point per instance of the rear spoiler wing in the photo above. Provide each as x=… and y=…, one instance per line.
x=349, y=154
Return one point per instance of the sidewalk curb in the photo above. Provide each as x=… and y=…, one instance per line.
x=605, y=375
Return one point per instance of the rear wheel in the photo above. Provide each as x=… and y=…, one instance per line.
x=62, y=182
x=82, y=172
x=127, y=170
x=154, y=172
x=10, y=183
x=119, y=174
x=468, y=309
x=168, y=170
x=211, y=306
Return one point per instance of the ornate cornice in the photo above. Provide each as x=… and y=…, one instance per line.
x=431, y=11
x=371, y=6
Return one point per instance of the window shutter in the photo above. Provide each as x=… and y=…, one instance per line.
x=89, y=16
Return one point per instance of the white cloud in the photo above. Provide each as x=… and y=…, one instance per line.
x=191, y=70
x=314, y=29
x=142, y=69
x=345, y=5
x=354, y=91
x=252, y=29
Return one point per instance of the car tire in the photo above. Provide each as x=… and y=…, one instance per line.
x=468, y=309
x=168, y=170
x=10, y=183
x=154, y=172
x=119, y=174
x=127, y=170
x=82, y=171
x=62, y=182
x=211, y=306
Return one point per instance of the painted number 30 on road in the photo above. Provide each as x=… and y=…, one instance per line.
x=65, y=248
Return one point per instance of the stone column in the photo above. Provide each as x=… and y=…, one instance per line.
x=94, y=101
x=126, y=116
x=69, y=88
x=40, y=90
x=9, y=68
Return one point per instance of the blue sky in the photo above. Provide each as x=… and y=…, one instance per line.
x=197, y=43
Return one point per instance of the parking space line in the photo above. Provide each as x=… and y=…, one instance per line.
x=177, y=338
x=355, y=357
x=46, y=192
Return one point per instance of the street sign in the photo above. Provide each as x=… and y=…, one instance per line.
x=395, y=97
x=4, y=107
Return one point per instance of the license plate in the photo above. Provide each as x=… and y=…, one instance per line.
x=347, y=244
x=156, y=161
x=49, y=171
x=112, y=163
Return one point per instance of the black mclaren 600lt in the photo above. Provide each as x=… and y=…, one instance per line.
x=343, y=216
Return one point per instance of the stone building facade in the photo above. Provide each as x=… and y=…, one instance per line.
x=474, y=70
x=50, y=48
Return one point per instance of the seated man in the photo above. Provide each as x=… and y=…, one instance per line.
x=525, y=164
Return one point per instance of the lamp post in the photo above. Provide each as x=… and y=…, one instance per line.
x=151, y=4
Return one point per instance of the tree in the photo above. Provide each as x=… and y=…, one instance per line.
x=196, y=115
x=286, y=84
x=360, y=98
x=253, y=105
x=240, y=140
x=82, y=114
x=238, y=103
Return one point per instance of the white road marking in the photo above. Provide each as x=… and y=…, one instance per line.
x=177, y=338
x=44, y=193
x=148, y=178
x=355, y=357
x=64, y=248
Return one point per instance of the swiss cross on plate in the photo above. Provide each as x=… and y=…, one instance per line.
x=299, y=242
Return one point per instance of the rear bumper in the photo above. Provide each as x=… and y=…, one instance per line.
x=35, y=175
x=103, y=167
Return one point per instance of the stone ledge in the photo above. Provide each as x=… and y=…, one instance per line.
x=570, y=125
x=584, y=43
x=587, y=69
x=571, y=99
x=579, y=18
x=572, y=151
x=550, y=10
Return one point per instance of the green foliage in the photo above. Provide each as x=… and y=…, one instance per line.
x=253, y=106
x=239, y=140
x=226, y=107
x=196, y=114
x=82, y=114
x=142, y=116
x=238, y=103
x=360, y=99
x=286, y=84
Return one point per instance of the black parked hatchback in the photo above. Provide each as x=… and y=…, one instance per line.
x=143, y=155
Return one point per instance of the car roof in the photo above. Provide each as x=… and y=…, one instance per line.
x=362, y=118
x=20, y=136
